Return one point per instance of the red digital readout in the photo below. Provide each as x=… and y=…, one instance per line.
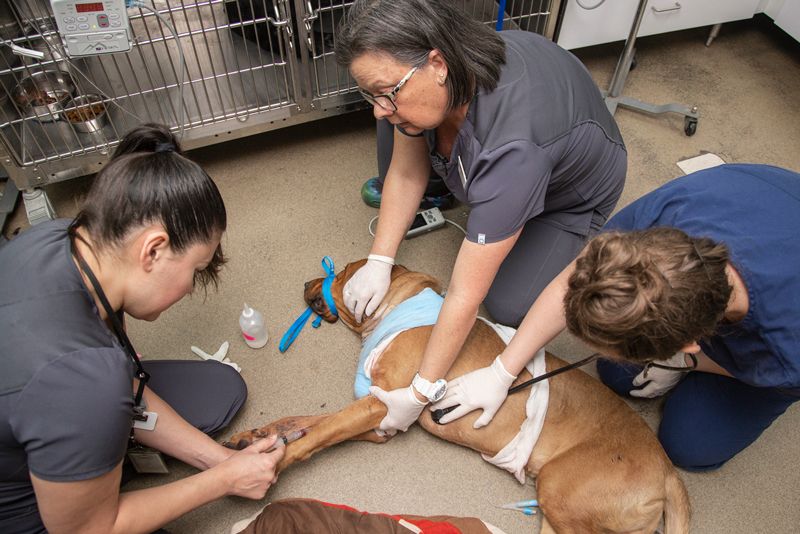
x=87, y=8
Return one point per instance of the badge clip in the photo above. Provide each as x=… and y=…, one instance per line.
x=145, y=420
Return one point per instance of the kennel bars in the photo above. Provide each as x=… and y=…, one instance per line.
x=249, y=66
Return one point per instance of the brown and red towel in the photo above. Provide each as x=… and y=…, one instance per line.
x=307, y=516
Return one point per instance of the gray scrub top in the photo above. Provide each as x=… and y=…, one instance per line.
x=66, y=396
x=542, y=144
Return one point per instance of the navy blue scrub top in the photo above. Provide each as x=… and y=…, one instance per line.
x=755, y=211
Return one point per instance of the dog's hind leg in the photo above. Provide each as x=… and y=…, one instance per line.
x=590, y=489
x=354, y=421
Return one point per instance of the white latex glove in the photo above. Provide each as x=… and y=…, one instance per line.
x=482, y=389
x=659, y=381
x=366, y=289
x=404, y=407
x=218, y=356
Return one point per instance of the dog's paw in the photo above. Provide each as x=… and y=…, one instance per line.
x=242, y=440
x=385, y=435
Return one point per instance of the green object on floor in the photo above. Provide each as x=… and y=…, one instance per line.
x=371, y=192
x=436, y=194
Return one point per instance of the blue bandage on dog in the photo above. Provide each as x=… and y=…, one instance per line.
x=420, y=310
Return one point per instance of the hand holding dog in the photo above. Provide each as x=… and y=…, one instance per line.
x=482, y=389
x=252, y=470
x=659, y=381
x=366, y=289
x=403, y=405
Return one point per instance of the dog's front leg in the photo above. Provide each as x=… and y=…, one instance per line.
x=359, y=417
x=281, y=427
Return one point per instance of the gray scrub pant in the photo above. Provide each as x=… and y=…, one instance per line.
x=541, y=252
x=385, y=135
x=206, y=394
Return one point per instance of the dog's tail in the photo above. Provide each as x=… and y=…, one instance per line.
x=677, y=509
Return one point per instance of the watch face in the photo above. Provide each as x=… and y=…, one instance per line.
x=441, y=389
x=434, y=391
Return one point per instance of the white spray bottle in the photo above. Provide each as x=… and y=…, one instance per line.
x=253, y=329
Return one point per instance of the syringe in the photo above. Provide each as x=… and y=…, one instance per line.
x=284, y=440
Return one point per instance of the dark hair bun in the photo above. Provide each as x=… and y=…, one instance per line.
x=148, y=138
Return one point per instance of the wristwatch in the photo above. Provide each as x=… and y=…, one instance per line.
x=434, y=391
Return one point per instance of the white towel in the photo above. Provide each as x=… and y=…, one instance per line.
x=515, y=455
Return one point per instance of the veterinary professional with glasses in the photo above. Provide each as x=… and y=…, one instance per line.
x=692, y=291
x=518, y=131
x=74, y=395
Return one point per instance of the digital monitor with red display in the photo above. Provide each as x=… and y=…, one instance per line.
x=88, y=8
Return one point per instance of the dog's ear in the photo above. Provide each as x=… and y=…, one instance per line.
x=343, y=276
x=313, y=297
x=349, y=270
x=397, y=270
x=312, y=292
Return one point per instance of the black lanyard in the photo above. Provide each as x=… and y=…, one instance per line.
x=141, y=374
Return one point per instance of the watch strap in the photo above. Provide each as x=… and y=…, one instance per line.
x=424, y=386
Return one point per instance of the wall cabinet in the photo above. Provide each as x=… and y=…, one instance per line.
x=612, y=20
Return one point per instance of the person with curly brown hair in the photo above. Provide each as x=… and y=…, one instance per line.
x=692, y=290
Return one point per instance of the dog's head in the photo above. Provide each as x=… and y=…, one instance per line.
x=404, y=284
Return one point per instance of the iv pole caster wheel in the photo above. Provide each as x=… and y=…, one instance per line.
x=38, y=206
x=689, y=126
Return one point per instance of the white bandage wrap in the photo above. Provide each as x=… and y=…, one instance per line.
x=382, y=259
x=515, y=455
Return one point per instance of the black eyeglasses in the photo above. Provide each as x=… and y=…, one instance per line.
x=387, y=100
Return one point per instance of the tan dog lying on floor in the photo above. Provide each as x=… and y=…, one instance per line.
x=598, y=466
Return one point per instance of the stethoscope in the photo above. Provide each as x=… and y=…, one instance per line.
x=436, y=415
x=650, y=365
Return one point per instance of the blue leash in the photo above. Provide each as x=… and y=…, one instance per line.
x=294, y=330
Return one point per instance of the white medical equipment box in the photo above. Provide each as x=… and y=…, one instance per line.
x=92, y=28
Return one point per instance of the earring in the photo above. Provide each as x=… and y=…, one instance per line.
x=441, y=79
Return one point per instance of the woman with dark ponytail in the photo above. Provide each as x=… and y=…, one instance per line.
x=74, y=397
x=691, y=291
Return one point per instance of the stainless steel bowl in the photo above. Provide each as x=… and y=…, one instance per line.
x=86, y=113
x=44, y=93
